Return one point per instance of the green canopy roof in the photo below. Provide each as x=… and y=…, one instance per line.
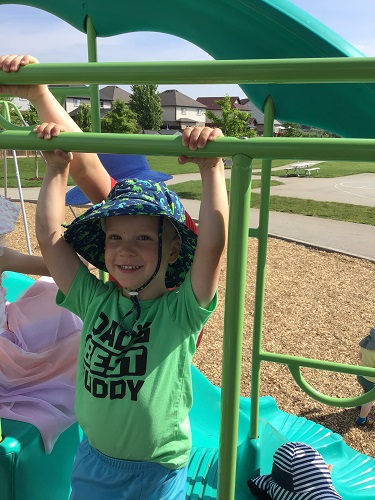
x=242, y=29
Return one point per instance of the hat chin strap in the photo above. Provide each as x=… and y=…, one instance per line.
x=134, y=293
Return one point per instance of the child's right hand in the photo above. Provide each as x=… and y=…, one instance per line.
x=11, y=64
x=57, y=158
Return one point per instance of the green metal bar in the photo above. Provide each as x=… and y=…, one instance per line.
x=269, y=116
x=317, y=363
x=258, y=147
x=258, y=71
x=233, y=323
x=94, y=94
x=94, y=88
x=329, y=400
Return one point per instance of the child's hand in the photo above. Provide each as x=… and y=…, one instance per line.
x=57, y=159
x=11, y=64
x=197, y=138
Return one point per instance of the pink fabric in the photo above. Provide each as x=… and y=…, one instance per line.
x=38, y=356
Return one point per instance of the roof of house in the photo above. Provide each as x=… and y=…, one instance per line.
x=113, y=92
x=211, y=103
x=175, y=98
x=241, y=104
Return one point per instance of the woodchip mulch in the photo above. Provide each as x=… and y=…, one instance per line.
x=318, y=304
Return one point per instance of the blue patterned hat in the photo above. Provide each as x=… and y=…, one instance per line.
x=133, y=197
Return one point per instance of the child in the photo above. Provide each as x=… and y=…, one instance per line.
x=38, y=345
x=298, y=473
x=94, y=177
x=134, y=389
x=366, y=358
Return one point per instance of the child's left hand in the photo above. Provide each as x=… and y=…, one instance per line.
x=57, y=158
x=197, y=138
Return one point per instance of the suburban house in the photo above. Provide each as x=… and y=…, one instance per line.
x=256, y=120
x=181, y=111
x=107, y=96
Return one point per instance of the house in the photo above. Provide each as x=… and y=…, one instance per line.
x=181, y=111
x=256, y=120
x=107, y=95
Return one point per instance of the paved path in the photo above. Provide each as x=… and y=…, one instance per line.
x=344, y=237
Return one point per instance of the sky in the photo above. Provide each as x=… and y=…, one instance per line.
x=28, y=30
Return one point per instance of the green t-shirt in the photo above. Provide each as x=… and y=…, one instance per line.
x=133, y=403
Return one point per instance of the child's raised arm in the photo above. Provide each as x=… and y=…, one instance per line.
x=13, y=260
x=85, y=168
x=213, y=215
x=60, y=258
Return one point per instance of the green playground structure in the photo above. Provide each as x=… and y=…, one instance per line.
x=237, y=437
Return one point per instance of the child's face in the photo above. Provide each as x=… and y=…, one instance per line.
x=131, y=252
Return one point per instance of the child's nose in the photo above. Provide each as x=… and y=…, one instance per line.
x=128, y=248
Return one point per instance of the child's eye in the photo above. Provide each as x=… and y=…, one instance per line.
x=113, y=237
x=143, y=237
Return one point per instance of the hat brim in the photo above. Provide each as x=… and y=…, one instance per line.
x=87, y=238
x=265, y=488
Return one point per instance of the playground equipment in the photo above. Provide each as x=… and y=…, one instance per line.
x=308, y=61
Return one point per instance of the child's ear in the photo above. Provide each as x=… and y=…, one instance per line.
x=174, y=251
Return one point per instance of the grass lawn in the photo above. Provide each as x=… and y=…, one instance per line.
x=192, y=189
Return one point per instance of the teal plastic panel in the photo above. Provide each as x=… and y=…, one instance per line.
x=26, y=471
x=353, y=473
x=254, y=29
x=15, y=284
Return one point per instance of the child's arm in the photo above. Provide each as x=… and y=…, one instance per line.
x=18, y=262
x=85, y=168
x=213, y=216
x=61, y=259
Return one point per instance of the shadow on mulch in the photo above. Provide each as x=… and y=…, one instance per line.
x=341, y=421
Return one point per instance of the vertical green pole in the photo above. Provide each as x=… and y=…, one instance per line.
x=94, y=93
x=94, y=88
x=269, y=114
x=233, y=323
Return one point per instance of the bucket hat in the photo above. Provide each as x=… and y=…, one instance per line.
x=119, y=167
x=8, y=215
x=369, y=341
x=298, y=473
x=133, y=197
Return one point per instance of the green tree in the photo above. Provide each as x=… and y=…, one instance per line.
x=120, y=119
x=31, y=116
x=233, y=122
x=292, y=129
x=83, y=117
x=146, y=104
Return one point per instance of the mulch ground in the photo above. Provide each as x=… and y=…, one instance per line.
x=317, y=304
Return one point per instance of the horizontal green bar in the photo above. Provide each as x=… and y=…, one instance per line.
x=258, y=71
x=258, y=147
x=296, y=361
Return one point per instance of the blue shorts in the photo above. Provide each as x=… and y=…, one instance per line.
x=98, y=477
